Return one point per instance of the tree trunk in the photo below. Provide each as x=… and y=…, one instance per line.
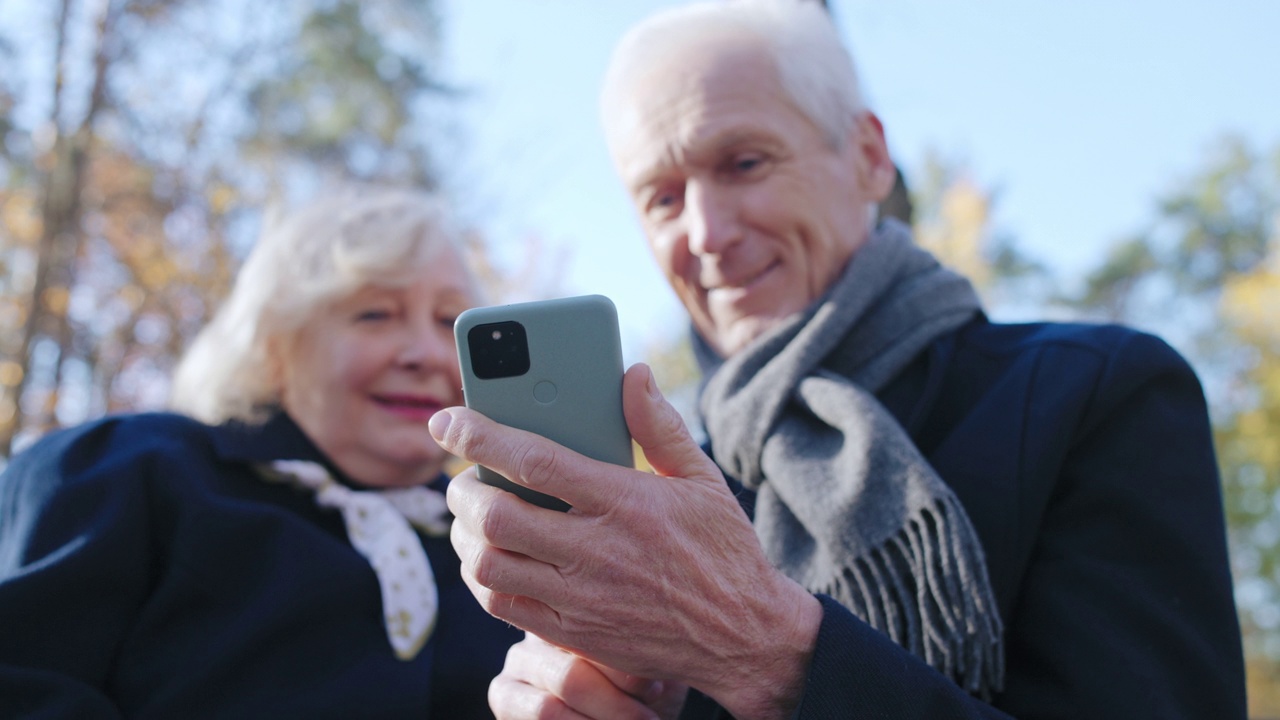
x=61, y=234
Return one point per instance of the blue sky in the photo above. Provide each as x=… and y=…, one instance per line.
x=1080, y=114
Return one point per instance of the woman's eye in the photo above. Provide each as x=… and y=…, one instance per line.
x=373, y=315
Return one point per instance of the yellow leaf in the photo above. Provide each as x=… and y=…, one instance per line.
x=10, y=373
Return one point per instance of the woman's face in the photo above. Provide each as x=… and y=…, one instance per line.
x=364, y=375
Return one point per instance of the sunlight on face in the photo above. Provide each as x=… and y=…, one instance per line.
x=364, y=375
x=749, y=209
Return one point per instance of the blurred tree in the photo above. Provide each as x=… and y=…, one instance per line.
x=1170, y=276
x=953, y=220
x=140, y=137
x=1206, y=274
x=1248, y=441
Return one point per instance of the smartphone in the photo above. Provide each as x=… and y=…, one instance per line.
x=552, y=367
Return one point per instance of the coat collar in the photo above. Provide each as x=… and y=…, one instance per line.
x=280, y=438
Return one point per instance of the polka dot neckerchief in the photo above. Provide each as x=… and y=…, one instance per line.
x=378, y=525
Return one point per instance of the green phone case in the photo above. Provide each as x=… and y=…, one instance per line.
x=572, y=391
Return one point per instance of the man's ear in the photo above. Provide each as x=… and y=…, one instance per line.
x=875, y=169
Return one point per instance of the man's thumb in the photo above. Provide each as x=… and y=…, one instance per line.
x=658, y=429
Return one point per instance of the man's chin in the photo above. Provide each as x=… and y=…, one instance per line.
x=733, y=336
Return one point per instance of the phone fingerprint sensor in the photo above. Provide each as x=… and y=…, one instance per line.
x=545, y=392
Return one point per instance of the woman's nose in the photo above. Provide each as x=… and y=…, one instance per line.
x=428, y=347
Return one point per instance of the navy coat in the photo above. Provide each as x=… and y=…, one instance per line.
x=1084, y=458
x=147, y=571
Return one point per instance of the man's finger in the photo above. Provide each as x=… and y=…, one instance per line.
x=524, y=612
x=510, y=586
x=505, y=521
x=525, y=458
x=643, y=689
x=579, y=684
x=659, y=430
x=512, y=699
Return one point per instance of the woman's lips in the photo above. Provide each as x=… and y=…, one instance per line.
x=417, y=408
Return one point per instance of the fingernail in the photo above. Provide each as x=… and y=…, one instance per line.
x=652, y=386
x=439, y=424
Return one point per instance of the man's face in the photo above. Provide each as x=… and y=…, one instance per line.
x=751, y=210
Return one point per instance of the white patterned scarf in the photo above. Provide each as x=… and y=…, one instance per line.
x=380, y=526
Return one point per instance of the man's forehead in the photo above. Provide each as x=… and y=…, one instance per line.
x=653, y=154
x=694, y=102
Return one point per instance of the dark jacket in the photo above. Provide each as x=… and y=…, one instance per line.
x=1083, y=456
x=146, y=570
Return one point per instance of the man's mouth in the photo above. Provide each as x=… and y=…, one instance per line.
x=744, y=285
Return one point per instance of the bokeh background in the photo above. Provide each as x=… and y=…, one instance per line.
x=1095, y=161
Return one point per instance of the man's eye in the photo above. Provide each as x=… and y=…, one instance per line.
x=744, y=164
x=665, y=203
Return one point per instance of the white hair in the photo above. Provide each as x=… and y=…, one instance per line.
x=814, y=67
x=304, y=261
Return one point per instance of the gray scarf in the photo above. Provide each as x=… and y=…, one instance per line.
x=847, y=506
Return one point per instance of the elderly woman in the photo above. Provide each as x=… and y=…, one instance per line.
x=282, y=549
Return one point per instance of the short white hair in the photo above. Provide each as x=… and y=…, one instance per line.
x=813, y=64
x=303, y=261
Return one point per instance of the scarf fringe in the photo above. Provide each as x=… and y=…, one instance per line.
x=938, y=619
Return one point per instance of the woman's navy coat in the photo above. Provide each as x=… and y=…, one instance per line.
x=147, y=571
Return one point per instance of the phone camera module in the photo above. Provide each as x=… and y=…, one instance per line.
x=498, y=350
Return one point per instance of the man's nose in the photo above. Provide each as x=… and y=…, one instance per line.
x=711, y=217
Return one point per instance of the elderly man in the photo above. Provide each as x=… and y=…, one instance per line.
x=946, y=517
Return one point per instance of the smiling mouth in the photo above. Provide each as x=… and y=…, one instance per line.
x=412, y=405
x=745, y=285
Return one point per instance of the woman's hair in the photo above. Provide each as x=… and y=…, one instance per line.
x=304, y=261
x=814, y=66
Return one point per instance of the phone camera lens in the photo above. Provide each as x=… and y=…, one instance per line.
x=498, y=350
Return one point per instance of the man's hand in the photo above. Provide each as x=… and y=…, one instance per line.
x=659, y=576
x=541, y=681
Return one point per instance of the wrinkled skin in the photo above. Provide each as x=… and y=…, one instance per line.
x=542, y=681
x=659, y=576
